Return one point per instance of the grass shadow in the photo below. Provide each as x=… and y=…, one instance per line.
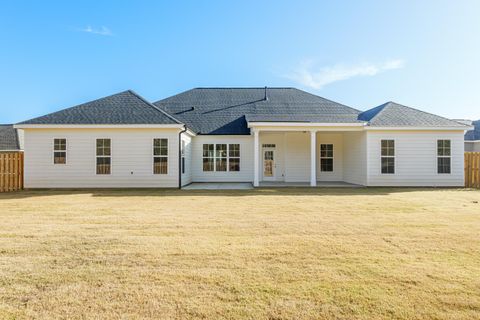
x=294, y=191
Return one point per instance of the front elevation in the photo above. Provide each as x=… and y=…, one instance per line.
x=258, y=135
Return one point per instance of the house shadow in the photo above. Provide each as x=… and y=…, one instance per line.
x=261, y=192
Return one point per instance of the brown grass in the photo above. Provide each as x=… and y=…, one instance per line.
x=262, y=254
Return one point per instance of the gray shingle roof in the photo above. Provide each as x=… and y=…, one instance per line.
x=8, y=138
x=226, y=110
x=473, y=135
x=122, y=108
x=392, y=114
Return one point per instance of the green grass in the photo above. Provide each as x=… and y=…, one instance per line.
x=261, y=254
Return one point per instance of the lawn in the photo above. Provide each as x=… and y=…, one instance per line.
x=254, y=254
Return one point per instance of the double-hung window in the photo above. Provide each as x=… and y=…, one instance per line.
x=326, y=157
x=104, y=156
x=59, y=151
x=209, y=157
x=234, y=157
x=444, y=160
x=221, y=157
x=388, y=156
x=160, y=156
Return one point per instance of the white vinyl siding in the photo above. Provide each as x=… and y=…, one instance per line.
x=131, y=159
x=335, y=139
x=246, y=159
x=415, y=158
x=355, y=158
x=472, y=146
x=187, y=175
x=297, y=157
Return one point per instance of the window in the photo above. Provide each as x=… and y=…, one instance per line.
x=221, y=157
x=59, y=151
x=326, y=157
x=208, y=157
x=388, y=156
x=234, y=157
x=268, y=145
x=183, y=156
x=104, y=156
x=444, y=156
x=160, y=156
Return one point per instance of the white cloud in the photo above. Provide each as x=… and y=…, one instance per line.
x=308, y=75
x=103, y=31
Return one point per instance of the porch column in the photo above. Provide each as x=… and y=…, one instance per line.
x=313, y=158
x=256, y=160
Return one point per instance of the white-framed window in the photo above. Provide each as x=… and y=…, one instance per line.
x=183, y=155
x=60, y=151
x=160, y=156
x=221, y=157
x=104, y=156
x=388, y=156
x=444, y=156
x=326, y=157
x=209, y=157
x=234, y=157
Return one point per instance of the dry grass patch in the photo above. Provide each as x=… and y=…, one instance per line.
x=261, y=254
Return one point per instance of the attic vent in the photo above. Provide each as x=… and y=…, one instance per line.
x=193, y=109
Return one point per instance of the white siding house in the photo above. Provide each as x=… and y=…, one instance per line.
x=274, y=136
x=415, y=159
x=131, y=158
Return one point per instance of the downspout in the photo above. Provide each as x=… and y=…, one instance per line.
x=180, y=156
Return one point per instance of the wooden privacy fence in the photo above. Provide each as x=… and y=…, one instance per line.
x=472, y=169
x=11, y=171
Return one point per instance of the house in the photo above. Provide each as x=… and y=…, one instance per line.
x=258, y=135
x=472, y=137
x=11, y=139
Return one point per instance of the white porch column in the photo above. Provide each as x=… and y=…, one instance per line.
x=313, y=158
x=256, y=160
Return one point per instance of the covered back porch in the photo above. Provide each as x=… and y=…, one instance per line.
x=307, y=155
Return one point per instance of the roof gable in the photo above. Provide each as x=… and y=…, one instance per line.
x=125, y=107
x=473, y=135
x=8, y=138
x=226, y=110
x=393, y=114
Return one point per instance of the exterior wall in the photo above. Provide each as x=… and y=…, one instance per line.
x=473, y=146
x=415, y=159
x=297, y=157
x=246, y=159
x=337, y=140
x=355, y=158
x=21, y=138
x=187, y=176
x=132, y=159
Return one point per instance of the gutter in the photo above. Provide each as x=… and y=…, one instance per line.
x=180, y=156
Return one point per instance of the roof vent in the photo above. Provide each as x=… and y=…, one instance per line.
x=266, y=96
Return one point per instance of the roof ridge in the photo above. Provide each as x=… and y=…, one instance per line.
x=228, y=88
x=153, y=106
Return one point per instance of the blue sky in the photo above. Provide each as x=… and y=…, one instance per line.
x=56, y=54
